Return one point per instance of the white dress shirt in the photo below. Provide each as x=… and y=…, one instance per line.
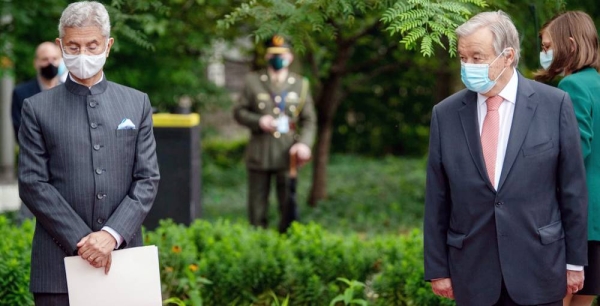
x=506, y=112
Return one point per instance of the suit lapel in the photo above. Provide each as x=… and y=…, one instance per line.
x=525, y=108
x=470, y=124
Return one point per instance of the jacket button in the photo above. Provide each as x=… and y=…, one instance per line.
x=499, y=204
x=100, y=196
x=94, y=125
x=96, y=147
x=98, y=171
x=93, y=104
x=100, y=220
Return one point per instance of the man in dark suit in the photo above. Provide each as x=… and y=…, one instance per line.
x=46, y=62
x=87, y=167
x=506, y=199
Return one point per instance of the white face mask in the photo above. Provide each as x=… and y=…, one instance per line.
x=84, y=66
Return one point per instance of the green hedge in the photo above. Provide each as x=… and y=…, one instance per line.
x=233, y=264
x=15, y=252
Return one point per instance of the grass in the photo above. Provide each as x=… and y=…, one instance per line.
x=365, y=195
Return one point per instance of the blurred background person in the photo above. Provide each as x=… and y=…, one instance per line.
x=48, y=59
x=278, y=109
x=570, y=48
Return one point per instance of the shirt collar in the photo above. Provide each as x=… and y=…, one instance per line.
x=82, y=90
x=100, y=80
x=509, y=92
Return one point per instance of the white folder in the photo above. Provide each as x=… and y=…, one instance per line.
x=133, y=279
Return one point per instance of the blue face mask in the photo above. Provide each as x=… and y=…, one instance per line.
x=546, y=58
x=62, y=68
x=476, y=76
x=277, y=62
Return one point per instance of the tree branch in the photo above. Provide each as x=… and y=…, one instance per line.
x=373, y=60
x=352, y=39
x=379, y=70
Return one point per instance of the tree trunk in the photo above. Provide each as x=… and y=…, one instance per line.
x=319, y=182
x=327, y=104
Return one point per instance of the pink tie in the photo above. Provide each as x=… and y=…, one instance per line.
x=489, y=136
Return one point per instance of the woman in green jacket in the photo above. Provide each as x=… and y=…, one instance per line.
x=570, y=49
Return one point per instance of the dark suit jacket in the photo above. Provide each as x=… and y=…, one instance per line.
x=528, y=230
x=20, y=93
x=78, y=173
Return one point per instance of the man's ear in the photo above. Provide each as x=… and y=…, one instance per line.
x=111, y=41
x=509, y=56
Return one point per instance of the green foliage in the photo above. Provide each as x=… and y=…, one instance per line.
x=304, y=267
x=276, y=302
x=401, y=280
x=22, y=28
x=158, y=48
x=176, y=301
x=15, y=261
x=248, y=266
x=415, y=20
x=224, y=153
x=181, y=34
x=30, y=25
x=429, y=21
x=386, y=199
x=348, y=296
x=389, y=113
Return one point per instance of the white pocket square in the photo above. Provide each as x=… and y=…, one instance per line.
x=126, y=124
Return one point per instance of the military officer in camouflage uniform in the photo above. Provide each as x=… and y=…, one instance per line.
x=277, y=107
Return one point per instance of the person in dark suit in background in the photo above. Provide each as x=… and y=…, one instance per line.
x=87, y=166
x=506, y=198
x=46, y=63
x=570, y=47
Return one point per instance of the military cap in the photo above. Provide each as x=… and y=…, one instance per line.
x=278, y=44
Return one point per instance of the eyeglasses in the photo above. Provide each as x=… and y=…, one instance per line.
x=93, y=48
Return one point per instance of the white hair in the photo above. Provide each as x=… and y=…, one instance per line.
x=504, y=31
x=83, y=14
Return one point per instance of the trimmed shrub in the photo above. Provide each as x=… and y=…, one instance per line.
x=225, y=263
x=15, y=262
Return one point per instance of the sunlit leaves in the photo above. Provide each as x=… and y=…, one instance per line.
x=427, y=21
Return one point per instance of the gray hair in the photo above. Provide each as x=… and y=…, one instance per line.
x=84, y=14
x=502, y=27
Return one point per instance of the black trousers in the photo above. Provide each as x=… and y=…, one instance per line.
x=506, y=300
x=51, y=299
x=259, y=187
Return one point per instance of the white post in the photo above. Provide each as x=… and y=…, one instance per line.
x=7, y=141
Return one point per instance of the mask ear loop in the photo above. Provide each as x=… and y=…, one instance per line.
x=501, y=72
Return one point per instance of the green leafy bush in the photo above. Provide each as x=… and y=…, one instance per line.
x=15, y=260
x=224, y=153
x=224, y=263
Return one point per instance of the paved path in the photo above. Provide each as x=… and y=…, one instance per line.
x=9, y=197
